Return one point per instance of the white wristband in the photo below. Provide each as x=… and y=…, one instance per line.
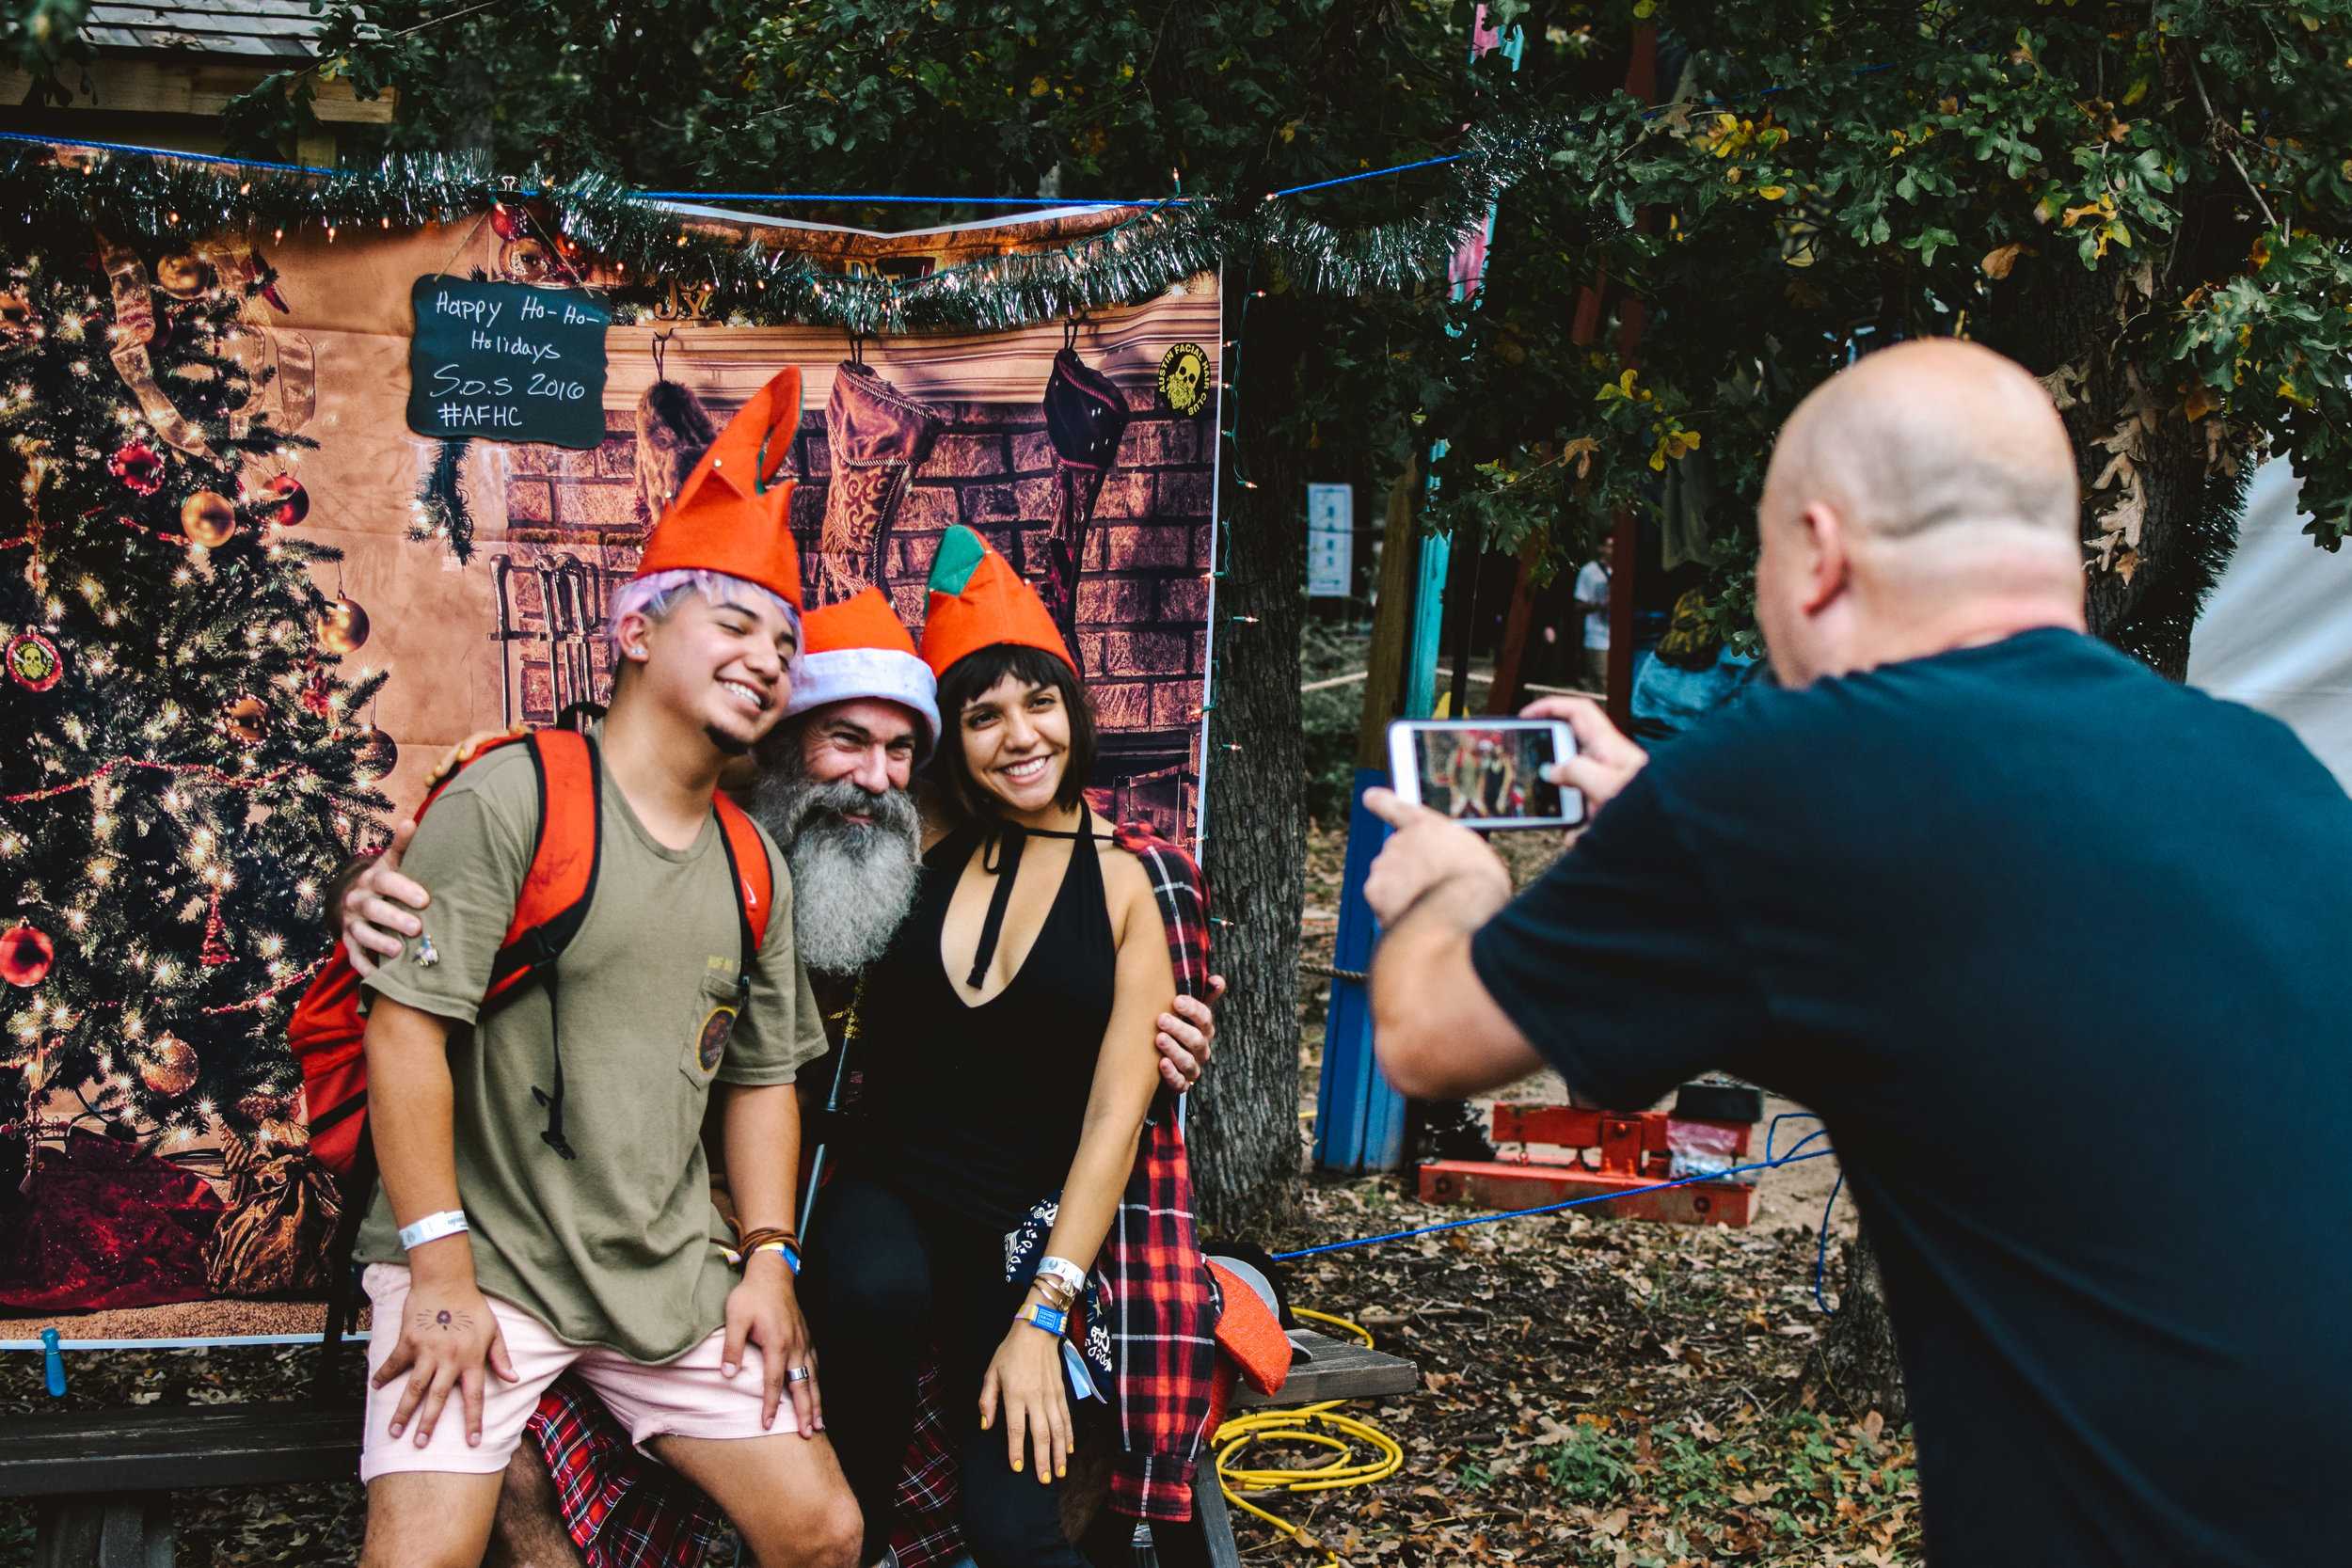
x=1065, y=1271
x=449, y=1222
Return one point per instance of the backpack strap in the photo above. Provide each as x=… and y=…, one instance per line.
x=552, y=905
x=755, y=880
x=562, y=878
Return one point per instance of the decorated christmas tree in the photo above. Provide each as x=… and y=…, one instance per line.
x=183, y=763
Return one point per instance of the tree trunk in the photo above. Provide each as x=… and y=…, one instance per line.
x=2063, y=324
x=1244, y=1127
x=1856, y=1364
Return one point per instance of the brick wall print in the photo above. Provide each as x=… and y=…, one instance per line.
x=576, y=524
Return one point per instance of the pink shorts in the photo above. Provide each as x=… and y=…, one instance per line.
x=685, y=1398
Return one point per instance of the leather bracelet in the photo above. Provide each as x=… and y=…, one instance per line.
x=747, y=1240
x=449, y=1222
x=1044, y=1319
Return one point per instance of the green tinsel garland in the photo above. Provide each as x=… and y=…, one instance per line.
x=161, y=196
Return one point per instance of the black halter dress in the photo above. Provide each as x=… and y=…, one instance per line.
x=975, y=1112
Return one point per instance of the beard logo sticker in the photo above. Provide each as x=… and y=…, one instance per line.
x=1185, y=378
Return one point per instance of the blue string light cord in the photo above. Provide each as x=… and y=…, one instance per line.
x=1792, y=1158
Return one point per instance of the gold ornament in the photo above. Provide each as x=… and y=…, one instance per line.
x=375, y=754
x=208, y=518
x=342, y=626
x=170, y=1067
x=246, y=718
x=526, y=260
x=183, y=277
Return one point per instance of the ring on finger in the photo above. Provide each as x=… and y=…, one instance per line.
x=797, y=1374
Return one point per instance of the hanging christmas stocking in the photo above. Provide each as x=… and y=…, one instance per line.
x=878, y=437
x=1085, y=416
x=674, y=429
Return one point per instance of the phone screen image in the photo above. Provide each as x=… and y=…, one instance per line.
x=1481, y=774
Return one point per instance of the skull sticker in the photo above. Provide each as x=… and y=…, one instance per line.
x=1185, y=378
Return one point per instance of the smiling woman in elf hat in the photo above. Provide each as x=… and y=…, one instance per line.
x=1015, y=1008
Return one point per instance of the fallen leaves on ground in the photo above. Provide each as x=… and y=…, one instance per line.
x=1594, y=1391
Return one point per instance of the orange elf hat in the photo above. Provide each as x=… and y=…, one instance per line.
x=733, y=514
x=977, y=601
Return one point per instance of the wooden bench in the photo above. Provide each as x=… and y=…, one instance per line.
x=105, y=1478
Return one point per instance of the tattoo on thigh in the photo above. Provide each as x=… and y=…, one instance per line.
x=442, y=1321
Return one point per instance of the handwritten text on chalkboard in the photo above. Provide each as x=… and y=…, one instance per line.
x=506, y=362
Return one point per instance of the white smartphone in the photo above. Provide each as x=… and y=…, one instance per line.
x=1485, y=773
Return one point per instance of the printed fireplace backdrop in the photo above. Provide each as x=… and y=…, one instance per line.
x=481, y=567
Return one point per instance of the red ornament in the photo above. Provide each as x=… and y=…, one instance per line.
x=34, y=663
x=139, y=467
x=508, y=223
x=288, y=502
x=25, y=955
x=216, y=949
x=318, y=695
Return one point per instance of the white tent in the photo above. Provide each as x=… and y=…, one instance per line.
x=2276, y=633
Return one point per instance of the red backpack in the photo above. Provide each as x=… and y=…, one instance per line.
x=326, y=1031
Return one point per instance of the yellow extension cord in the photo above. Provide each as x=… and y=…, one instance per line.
x=1318, y=1426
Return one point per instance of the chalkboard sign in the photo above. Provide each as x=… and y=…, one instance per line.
x=506, y=362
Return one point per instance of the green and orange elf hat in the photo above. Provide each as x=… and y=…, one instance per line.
x=733, y=514
x=977, y=601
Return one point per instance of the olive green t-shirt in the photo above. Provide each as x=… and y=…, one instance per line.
x=619, y=1246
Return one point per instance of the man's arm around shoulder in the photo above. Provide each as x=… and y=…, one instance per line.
x=1437, y=1032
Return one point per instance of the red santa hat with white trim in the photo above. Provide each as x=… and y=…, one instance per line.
x=858, y=648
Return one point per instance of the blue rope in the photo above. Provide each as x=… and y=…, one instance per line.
x=1773, y=1131
x=1820, y=1249
x=1792, y=1157
x=1368, y=174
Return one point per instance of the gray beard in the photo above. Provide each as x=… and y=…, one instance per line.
x=852, y=883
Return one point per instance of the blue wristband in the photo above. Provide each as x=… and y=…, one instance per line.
x=1050, y=1319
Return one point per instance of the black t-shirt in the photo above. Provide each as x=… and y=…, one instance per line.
x=2061, y=953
